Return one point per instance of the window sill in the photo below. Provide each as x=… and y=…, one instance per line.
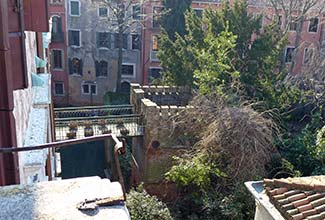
x=75, y=46
x=101, y=77
x=59, y=95
x=58, y=69
x=75, y=75
x=128, y=76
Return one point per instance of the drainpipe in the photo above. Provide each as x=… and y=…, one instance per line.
x=23, y=47
x=8, y=163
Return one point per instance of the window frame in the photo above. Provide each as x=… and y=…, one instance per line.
x=304, y=56
x=110, y=40
x=134, y=70
x=288, y=47
x=70, y=8
x=62, y=59
x=98, y=12
x=139, y=15
x=153, y=16
x=89, y=85
x=75, y=46
x=54, y=88
x=152, y=67
x=99, y=68
x=56, y=3
x=293, y=22
x=139, y=41
x=317, y=26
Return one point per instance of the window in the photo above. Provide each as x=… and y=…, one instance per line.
x=293, y=24
x=198, y=11
x=101, y=68
x=278, y=20
x=58, y=88
x=155, y=46
x=75, y=66
x=124, y=40
x=56, y=24
x=136, y=10
x=308, y=55
x=74, y=8
x=74, y=38
x=136, y=42
x=313, y=25
x=56, y=1
x=289, y=54
x=154, y=73
x=156, y=16
x=89, y=88
x=125, y=87
x=128, y=70
x=103, y=40
x=57, y=59
x=102, y=12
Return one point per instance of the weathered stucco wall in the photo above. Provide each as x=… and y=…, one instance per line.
x=89, y=23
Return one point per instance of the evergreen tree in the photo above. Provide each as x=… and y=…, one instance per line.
x=174, y=22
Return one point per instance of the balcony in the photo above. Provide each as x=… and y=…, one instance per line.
x=57, y=37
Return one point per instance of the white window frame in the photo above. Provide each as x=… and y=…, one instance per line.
x=304, y=56
x=62, y=60
x=75, y=46
x=54, y=92
x=131, y=41
x=134, y=70
x=312, y=32
x=89, y=87
x=105, y=48
x=132, y=12
x=286, y=53
x=56, y=3
x=71, y=8
x=152, y=67
x=103, y=16
x=155, y=6
x=294, y=18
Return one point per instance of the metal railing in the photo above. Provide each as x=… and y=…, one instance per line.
x=121, y=125
x=119, y=149
x=89, y=111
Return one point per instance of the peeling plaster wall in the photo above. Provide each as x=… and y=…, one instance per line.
x=23, y=97
x=89, y=23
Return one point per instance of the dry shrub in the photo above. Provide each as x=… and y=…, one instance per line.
x=238, y=139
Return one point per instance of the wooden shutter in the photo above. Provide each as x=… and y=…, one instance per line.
x=80, y=67
x=70, y=66
x=36, y=15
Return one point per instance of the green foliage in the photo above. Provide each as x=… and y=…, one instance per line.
x=320, y=145
x=217, y=55
x=300, y=148
x=142, y=206
x=115, y=98
x=195, y=172
x=173, y=20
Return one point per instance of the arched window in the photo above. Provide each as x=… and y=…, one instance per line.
x=101, y=68
x=57, y=34
x=75, y=66
x=125, y=87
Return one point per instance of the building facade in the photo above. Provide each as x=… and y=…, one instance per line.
x=58, y=51
x=25, y=99
x=93, y=53
x=312, y=43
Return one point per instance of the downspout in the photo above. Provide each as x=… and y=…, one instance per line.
x=23, y=46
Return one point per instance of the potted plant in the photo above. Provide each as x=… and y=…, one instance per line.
x=119, y=123
x=103, y=127
x=73, y=128
x=124, y=131
x=88, y=129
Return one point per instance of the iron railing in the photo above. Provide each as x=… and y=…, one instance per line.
x=89, y=111
x=121, y=125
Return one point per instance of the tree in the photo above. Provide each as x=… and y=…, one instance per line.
x=174, y=21
x=253, y=61
x=125, y=16
x=295, y=13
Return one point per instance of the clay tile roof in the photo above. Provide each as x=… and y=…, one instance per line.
x=300, y=198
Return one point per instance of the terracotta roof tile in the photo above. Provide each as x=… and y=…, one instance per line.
x=298, y=198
